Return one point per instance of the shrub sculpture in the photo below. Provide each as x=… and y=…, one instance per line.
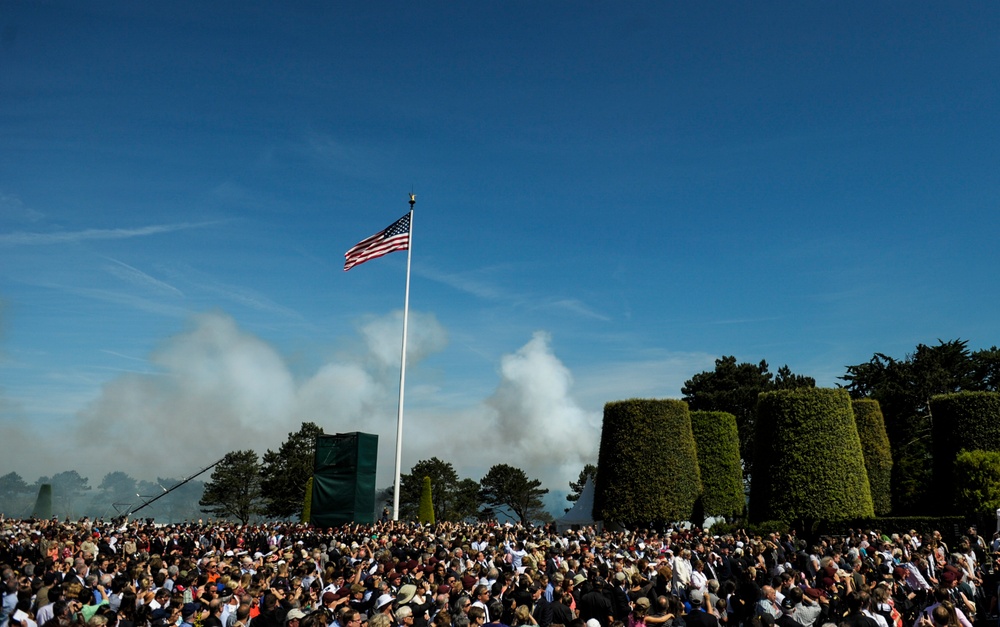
x=809, y=463
x=977, y=475
x=647, y=468
x=307, y=502
x=718, y=447
x=426, y=514
x=877, y=453
x=963, y=420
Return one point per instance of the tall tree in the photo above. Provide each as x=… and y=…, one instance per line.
x=14, y=495
x=116, y=492
x=507, y=486
x=733, y=388
x=287, y=470
x=182, y=502
x=903, y=388
x=67, y=487
x=468, y=504
x=445, y=484
x=234, y=489
x=589, y=471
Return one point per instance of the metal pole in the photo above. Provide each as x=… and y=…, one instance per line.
x=402, y=369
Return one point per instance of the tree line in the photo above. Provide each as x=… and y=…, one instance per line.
x=917, y=435
x=242, y=487
x=903, y=388
x=723, y=405
x=74, y=497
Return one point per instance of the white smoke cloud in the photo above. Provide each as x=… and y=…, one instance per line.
x=219, y=388
x=534, y=413
x=531, y=421
x=222, y=389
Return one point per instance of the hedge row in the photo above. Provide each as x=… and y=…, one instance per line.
x=718, y=445
x=964, y=420
x=877, y=453
x=647, y=469
x=809, y=465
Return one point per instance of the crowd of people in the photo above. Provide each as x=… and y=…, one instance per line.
x=392, y=574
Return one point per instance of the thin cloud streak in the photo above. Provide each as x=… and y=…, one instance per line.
x=574, y=306
x=139, y=278
x=464, y=283
x=63, y=237
x=246, y=297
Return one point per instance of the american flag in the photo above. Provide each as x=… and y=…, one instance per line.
x=394, y=237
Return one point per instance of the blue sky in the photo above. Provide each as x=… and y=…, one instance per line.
x=608, y=198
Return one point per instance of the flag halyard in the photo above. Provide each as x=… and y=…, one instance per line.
x=394, y=237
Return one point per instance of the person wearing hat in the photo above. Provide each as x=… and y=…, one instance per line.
x=383, y=604
x=702, y=614
x=294, y=617
x=407, y=597
x=190, y=613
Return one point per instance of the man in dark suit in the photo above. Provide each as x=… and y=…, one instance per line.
x=619, y=597
x=561, y=612
x=702, y=614
x=542, y=610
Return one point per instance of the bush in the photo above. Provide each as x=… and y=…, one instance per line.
x=809, y=462
x=307, y=503
x=977, y=481
x=647, y=469
x=964, y=420
x=718, y=448
x=877, y=453
x=426, y=514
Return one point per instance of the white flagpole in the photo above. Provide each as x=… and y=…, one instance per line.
x=402, y=369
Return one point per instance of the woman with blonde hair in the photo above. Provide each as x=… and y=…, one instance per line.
x=522, y=616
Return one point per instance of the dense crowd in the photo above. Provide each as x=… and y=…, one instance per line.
x=140, y=574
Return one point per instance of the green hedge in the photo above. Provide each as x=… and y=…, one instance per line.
x=964, y=420
x=809, y=463
x=877, y=453
x=307, y=502
x=647, y=469
x=43, y=504
x=426, y=513
x=977, y=480
x=718, y=446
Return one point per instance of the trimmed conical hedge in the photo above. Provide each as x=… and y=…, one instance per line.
x=977, y=477
x=809, y=464
x=647, y=469
x=426, y=513
x=718, y=444
x=963, y=420
x=876, y=450
x=43, y=504
x=308, y=501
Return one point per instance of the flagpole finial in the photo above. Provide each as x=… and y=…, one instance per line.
x=413, y=200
